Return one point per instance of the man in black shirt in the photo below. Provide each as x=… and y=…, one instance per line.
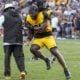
x=12, y=24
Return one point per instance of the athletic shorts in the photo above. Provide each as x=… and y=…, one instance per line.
x=48, y=42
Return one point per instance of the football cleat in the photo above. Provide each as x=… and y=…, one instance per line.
x=67, y=74
x=48, y=64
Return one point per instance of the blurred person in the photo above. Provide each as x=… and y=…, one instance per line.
x=73, y=27
x=12, y=24
x=22, y=3
x=51, y=4
x=54, y=24
x=77, y=25
x=68, y=22
x=61, y=28
x=40, y=29
x=59, y=2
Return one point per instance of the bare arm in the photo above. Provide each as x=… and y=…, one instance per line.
x=30, y=31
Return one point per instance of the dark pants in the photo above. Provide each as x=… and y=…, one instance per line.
x=18, y=54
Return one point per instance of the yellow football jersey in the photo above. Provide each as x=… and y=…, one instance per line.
x=39, y=20
x=41, y=40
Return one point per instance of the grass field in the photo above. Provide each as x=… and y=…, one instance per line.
x=70, y=49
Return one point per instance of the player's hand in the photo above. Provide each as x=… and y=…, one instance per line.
x=40, y=28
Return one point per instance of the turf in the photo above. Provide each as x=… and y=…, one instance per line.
x=69, y=48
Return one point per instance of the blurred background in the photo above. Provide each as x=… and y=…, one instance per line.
x=65, y=21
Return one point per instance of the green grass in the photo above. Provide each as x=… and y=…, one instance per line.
x=70, y=49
